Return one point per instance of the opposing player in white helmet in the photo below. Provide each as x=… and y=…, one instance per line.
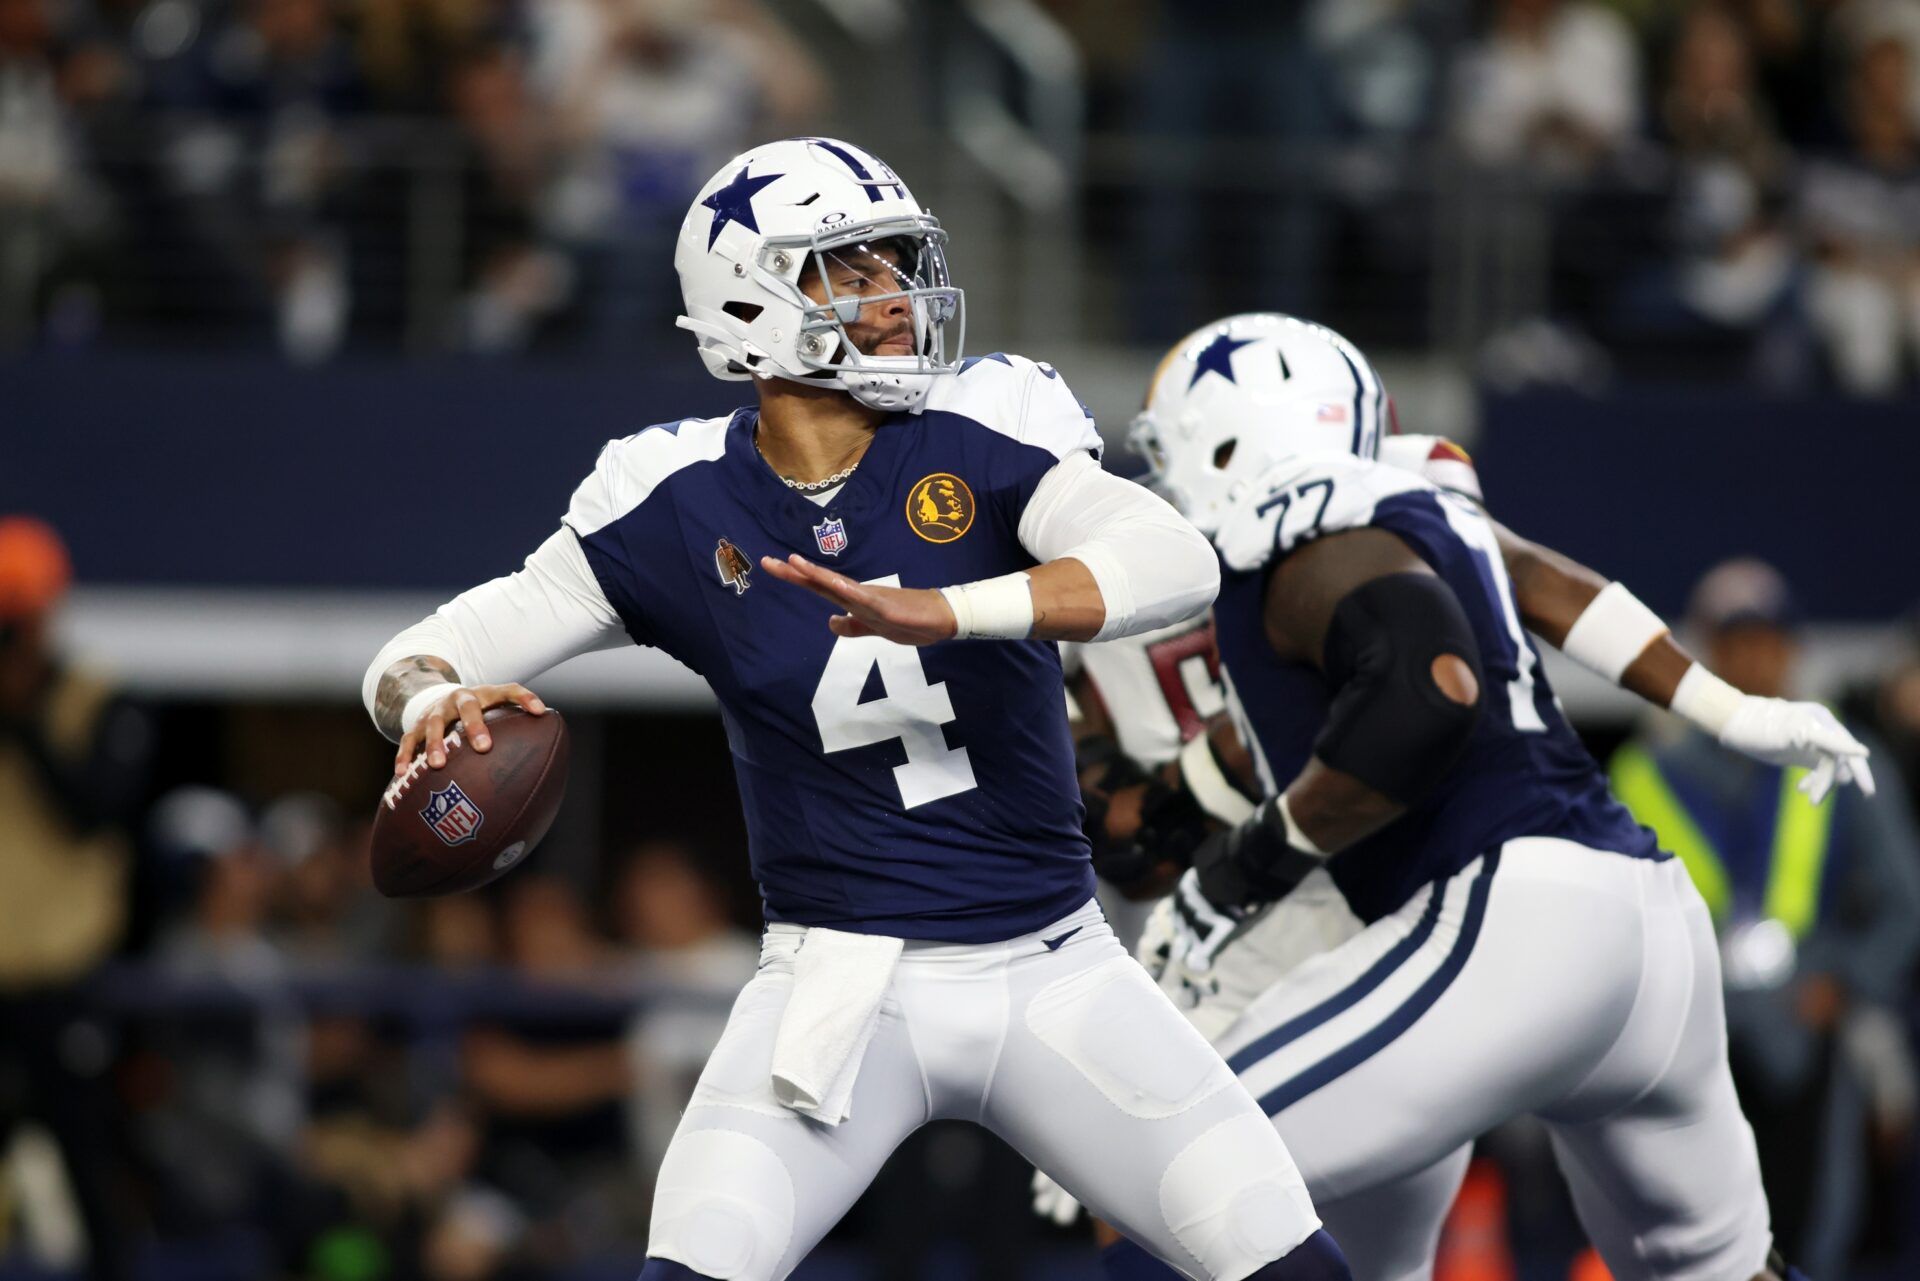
x=905, y=768
x=1526, y=947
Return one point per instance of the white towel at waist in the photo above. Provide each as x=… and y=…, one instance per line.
x=839, y=981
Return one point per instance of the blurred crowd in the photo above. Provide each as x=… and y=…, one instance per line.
x=297, y=172
x=1708, y=187
x=1711, y=188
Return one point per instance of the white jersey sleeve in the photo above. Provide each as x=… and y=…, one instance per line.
x=515, y=627
x=1152, y=567
x=1303, y=498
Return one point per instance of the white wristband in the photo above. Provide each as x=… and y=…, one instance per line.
x=1612, y=631
x=1297, y=838
x=1209, y=785
x=417, y=706
x=997, y=608
x=1706, y=700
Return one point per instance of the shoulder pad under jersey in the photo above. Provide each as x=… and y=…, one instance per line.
x=1023, y=399
x=1301, y=498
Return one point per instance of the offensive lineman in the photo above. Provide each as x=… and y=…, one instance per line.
x=932, y=950
x=1527, y=948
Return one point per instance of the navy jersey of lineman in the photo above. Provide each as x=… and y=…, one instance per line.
x=1523, y=773
x=919, y=792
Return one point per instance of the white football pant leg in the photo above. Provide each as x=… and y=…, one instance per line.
x=1549, y=979
x=747, y=1186
x=1415, y=1204
x=1666, y=1180
x=1102, y=1084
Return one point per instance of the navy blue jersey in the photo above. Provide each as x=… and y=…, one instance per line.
x=918, y=792
x=1523, y=773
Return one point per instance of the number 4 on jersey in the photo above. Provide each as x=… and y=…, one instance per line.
x=912, y=710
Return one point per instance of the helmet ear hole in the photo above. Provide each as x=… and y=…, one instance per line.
x=745, y=312
x=1224, y=454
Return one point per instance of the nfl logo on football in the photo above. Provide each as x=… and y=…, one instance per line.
x=831, y=534
x=453, y=818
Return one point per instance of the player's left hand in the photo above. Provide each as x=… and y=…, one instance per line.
x=1803, y=735
x=909, y=616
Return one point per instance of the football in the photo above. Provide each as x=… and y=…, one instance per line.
x=441, y=831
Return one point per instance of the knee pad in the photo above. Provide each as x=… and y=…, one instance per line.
x=1234, y=1200
x=723, y=1207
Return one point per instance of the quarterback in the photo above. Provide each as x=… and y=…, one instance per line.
x=1504, y=940
x=905, y=767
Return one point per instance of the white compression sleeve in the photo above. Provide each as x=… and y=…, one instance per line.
x=1153, y=568
x=1612, y=631
x=513, y=628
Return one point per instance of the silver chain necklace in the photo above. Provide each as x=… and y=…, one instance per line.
x=805, y=486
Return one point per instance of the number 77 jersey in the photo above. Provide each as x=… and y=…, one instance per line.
x=1523, y=773
x=918, y=792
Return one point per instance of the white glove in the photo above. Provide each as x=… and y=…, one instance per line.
x=1051, y=1201
x=1796, y=735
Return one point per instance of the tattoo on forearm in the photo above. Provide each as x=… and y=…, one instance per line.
x=401, y=682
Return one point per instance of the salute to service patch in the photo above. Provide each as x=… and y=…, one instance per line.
x=733, y=566
x=940, y=508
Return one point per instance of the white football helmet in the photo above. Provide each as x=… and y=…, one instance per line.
x=753, y=229
x=1232, y=399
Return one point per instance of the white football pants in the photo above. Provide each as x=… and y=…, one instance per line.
x=1578, y=986
x=1068, y=1052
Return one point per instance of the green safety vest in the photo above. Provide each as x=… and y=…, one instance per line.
x=1801, y=832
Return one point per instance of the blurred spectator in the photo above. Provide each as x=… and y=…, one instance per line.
x=514, y=279
x=673, y=917
x=1552, y=83
x=1733, y=261
x=236, y=1086
x=653, y=96
x=1229, y=88
x=325, y=910
x=73, y=764
x=1860, y=212
x=1818, y=913
x=409, y=50
x=267, y=175
x=552, y=1076
x=1891, y=705
x=49, y=210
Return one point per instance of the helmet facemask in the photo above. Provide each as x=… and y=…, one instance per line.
x=825, y=349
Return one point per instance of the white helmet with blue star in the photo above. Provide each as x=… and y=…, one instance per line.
x=1232, y=399
x=756, y=226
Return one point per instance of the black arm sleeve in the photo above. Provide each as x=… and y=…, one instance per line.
x=1390, y=725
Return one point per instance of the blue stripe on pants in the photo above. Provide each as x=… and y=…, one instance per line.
x=1349, y=996
x=1384, y=1033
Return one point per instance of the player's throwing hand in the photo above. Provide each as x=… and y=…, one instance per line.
x=909, y=616
x=464, y=706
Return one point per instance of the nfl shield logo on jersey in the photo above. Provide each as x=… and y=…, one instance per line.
x=831, y=534
x=453, y=818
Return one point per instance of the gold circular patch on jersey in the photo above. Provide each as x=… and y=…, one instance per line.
x=940, y=507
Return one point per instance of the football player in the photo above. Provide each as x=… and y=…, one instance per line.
x=903, y=757
x=1525, y=947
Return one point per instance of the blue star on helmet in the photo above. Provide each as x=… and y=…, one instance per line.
x=734, y=203
x=1217, y=358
